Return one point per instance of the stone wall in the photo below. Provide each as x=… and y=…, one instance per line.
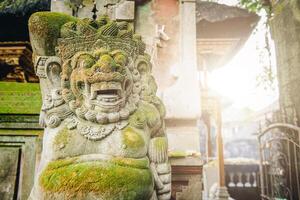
x=285, y=32
x=20, y=138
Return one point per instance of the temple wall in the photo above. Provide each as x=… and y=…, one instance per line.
x=174, y=69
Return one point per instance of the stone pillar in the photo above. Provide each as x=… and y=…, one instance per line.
x=183, y=98
x=221, y=191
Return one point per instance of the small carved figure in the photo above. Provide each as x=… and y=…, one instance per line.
x=104, y=129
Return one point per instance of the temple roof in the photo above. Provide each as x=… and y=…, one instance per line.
x=214, y=12
x=221, y=32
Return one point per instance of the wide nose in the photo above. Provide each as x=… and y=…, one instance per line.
x=106, y=64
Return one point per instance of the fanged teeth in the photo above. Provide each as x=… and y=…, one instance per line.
x=93, y=95
x=106, y=99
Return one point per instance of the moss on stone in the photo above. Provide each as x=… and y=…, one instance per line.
x=107, y=63
x=177, y=154
x=45, y=29
x=62, y=138
x=161, y=143
x=153, y=115
x=61, y=163
x=135, y=163
x=109, y=181
x=132, y=138
x=138, y=119
x=146, y=113
x=109, y=29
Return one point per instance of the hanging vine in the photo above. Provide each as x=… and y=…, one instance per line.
x=267, y=78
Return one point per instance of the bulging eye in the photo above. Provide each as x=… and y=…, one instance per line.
x=98, y=69
x=80, y=85
x=86, y=61
x=121, y=59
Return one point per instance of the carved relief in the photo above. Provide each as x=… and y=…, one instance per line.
x=102, y=115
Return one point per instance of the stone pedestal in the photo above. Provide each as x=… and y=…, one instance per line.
x=221, y=194
x=211, y=191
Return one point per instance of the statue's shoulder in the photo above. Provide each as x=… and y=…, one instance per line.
x=146, y=114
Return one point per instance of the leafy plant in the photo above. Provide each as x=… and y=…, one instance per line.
x=267, y=78
x=256, y=5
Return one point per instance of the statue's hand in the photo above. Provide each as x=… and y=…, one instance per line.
x=162, y=179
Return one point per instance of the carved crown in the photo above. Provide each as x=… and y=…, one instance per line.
x=87, y=35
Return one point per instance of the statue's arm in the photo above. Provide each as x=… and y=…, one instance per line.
x=160, y=166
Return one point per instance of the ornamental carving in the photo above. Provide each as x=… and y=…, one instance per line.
x=104, y=129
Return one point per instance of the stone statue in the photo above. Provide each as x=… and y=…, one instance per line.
x=104, y=130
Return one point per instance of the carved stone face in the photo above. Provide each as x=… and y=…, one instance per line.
x=101, y=80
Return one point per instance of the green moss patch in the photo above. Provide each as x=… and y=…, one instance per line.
x=130, y=162
x=132, y=138
x=161, y=143
x=177, y=154
x=20, y=98
x=146, y=114
x=138, y=119
x=45, y=29
x=62, y=138
x=109, y=181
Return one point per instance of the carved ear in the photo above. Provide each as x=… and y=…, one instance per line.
x=53, y=71
x=143, y=65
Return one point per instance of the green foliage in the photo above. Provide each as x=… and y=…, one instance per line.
x=22, y=7
x=108, y=180
x=267, y=78
x=256, y=5
x=20, y=98
x=20, y=132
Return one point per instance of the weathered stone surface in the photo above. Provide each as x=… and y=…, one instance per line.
x=285, y=32
x=18, y=155
x=125, y=10
x=104, y=135
x=9, y=160
x=183, y=97
x=193, y=191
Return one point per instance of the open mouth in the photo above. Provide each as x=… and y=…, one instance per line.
x=109, y=95
x=106, y=95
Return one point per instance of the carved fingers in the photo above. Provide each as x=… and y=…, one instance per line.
x=158, y=183
x=165, y=196
x=162, y=178
x=164, y=174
